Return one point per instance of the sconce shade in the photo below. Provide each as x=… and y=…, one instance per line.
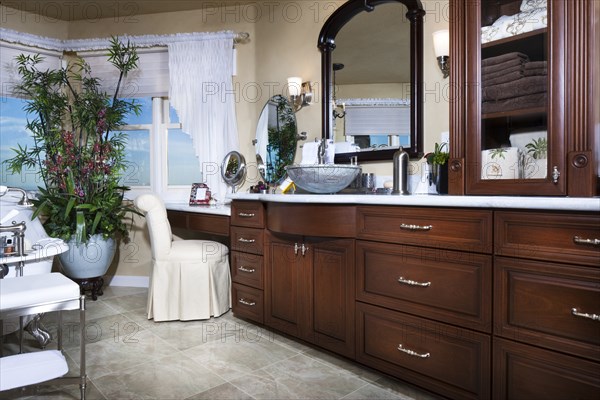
x=294, y=86
x=441, y=43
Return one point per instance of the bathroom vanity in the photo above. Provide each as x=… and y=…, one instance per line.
x=469, y=297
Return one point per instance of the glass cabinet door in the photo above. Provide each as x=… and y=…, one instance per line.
x=514, y=100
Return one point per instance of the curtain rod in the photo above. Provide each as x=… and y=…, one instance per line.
x=48, y=43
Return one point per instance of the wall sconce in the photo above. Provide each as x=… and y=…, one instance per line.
x=441, y=45
x=300, y=93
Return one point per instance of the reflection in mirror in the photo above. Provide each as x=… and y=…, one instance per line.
x=233, y=169
x=372, y=104
x=276, y=139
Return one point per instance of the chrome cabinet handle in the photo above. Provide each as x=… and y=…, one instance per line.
x=246, y=215
x=593, y=317
x=580, y=240
x=413, y=283
x=296, y=247
x=248, y=270
x=247, y=303
x=304, y=249
x=242, y=240
x=413, y=353
x=409, y=227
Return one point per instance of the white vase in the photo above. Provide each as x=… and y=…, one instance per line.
x=88, y=260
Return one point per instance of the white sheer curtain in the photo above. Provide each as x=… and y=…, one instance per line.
x=201, y=91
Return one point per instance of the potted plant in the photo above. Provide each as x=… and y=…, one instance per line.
x=438, y=159
x=80, y=156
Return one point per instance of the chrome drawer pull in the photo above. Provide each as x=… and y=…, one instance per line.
x=413, y=283
x=593, y=317
x=248, y=270
x=247, y=303
x=593, y=242
x=246, y=215
x=416, y=227
x=412, y=353
x=242, y=240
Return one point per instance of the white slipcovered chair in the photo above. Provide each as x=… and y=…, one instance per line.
x=190, y=279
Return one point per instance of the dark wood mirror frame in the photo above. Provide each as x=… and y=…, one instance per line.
x=326, y=44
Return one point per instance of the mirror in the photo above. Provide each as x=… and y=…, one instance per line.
x=374, y=50
x=276, y=139
x=233, y=169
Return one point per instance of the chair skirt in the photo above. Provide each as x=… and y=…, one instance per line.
x=193, y=283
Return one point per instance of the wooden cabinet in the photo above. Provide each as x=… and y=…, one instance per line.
x=247, y=248
x=524, y=122
x=310, y=289
x=546, y=305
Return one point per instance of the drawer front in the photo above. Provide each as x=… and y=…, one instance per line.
x=214, y=224
x=177, y=219
x=247, y=240
x=526, y=372
x=248, y=213
x=247, y=269
x=452, y=361
x=534, y=303
x=455, y=229
x=448, y=286
x=247, y=302
x=561, y=237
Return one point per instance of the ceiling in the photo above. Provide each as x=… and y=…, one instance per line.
x=77, y=10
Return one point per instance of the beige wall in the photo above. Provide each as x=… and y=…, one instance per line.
x=283, y=43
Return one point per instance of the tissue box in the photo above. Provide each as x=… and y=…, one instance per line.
x=501, y=163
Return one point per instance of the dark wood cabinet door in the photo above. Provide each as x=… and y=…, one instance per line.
x=284, y=284
x=332, y=281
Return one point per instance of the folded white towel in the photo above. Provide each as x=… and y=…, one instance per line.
x=330, y=152
x=310, y=150
x=501, y=163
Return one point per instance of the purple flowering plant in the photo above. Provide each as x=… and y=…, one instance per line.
x=79, y=152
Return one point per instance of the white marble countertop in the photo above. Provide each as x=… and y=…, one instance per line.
x=219, y=209
x=516, y=202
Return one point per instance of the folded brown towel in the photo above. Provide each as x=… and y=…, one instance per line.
x=516, y=103
x=494, y=75
x=521, y=87
x=503, y=58
x=534, y=68
x=502, y=66
x=503, y=78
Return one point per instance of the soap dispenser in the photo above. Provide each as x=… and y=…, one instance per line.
x=400, y=172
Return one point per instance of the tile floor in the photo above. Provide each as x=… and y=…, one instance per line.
x=131, y=357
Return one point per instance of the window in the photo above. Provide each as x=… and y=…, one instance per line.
x=13, y=134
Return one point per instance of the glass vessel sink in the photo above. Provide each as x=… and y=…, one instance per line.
x=323, y=178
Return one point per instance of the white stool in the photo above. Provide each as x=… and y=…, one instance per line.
x=36, y=294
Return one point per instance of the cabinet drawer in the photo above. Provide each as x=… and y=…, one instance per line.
x=549, y=236
x=448, y=286
x=177, y=219
x=247, y=240
x=449, y=360
x=248, y=213
x=534, y=302
x=247, y=269
x=456, y=229
x=247, y=302
x=526, y=372
x=213, y=224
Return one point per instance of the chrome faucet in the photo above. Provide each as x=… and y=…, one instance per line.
x=322, y=151
x=24, y=200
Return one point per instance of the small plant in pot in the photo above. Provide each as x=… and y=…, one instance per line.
x=80, y=156
x=438, y=159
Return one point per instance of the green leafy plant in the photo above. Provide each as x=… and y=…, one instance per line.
x=81, y=158
x=439, y=156
x=538, y=148
x=498, y=153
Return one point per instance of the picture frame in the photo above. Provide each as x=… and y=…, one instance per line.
x=200, y=194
